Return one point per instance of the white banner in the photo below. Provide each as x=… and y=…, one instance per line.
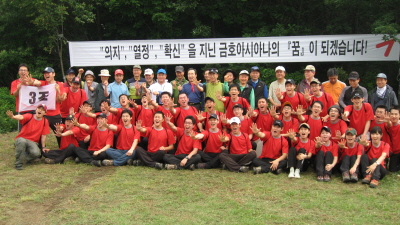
x=323, y=48
x=30, y=97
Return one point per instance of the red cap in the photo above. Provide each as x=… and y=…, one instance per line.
x=43, y=106
x=119, y=71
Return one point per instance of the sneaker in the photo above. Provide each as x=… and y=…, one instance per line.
x=159, y=166
x=201, y=165
x=192, y=167
x=367, y=179
x=77, y=160
x=96, y=163
x=257, y=170
x=291, y=173
x=346, y=177
x=320, y=178
x=374, y=183
x=137, y=162
x=327, y=178
x=48, y=161
x=171, y=166
x=108, y=162
x=68, y=159
x=129, y=162
x=19, y=167
x=354, y=177
x=297, y=173
x=244, y=169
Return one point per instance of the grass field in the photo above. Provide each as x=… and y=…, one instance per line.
x=82, y=194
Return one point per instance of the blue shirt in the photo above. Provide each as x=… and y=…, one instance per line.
x=115, y=90
x=254, y=84
x=194, y=96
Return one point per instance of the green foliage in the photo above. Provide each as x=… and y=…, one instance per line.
x=7, y=103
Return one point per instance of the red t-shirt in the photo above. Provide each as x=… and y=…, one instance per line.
x=166, y=113
x=58, y=104
x=145, y=115
x=158, y=138
x=273, y=147
x=33, y=129
x=213, y=143
x=263, y=121
x=100, y=138
x=245, y=125
x=332, y=147
x=181, y=113
x=239, y=144
x=85, y=120
x=185, y=143
x=309, y=146
x=357, y=149
x=70, y=139
x=111, y=118
x=118, y=116
x=73, y=100
x=359, y=117
x=326, y=100
x=385, y=135
x=126, y=136
x=228, y=104
x=315, y=126
x=205, y=121
x=13, y=88
x=295, y=100
x=293, y=123
x=395, y=132
x=340, y=125
x=376, y=152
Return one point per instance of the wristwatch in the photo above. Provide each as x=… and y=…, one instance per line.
x=187, y=157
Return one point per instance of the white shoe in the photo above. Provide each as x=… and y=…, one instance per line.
x=291, y=173
x=297, y=173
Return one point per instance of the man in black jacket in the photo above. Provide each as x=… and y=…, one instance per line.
x=383, y=94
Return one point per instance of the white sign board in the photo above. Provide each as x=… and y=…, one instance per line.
x=30, y=97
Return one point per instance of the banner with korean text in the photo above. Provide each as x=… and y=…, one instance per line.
x=30, y=97
x=324, y=48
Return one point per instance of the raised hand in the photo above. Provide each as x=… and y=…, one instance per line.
x=222, y=137
x=291, y=133
x=299, y=110
x=318, y=141
x=137, y=86
x=272, y=110
x=345, y=116
x=196, y=82
x=71, y=111
x=338, y=135
x=105, y=83
x=224, y=119
x=75, y=122
x=364, y=141
x=278, y=93
x=254, y=128
x=82, y=109
x=342, y=143
x=200, y=116
x=168, y=118
x=251, y=113
x=133, y=103
x=387, y=117
x=218, y=95
x=139, y=125
x=10, y=114
x=306, y=94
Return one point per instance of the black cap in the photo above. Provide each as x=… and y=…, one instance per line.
x=70, y=71
x=278, y=123
x=230, y=71
x=179, y=69
x=357, y=94
x=87, y=102
x=255, y=68
x=354, y=76
x=48, y=70
x=102, y=115
x=213, y=116
x=325, y=128
x=290, y=81
x=213, y=70
x=334, y=107
x=237, y=106
x=209, y=98
x=76, y=80
x=69, y=117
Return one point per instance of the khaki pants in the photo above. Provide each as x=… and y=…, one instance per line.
x=27, y=149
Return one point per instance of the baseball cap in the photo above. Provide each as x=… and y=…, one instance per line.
x=87, y=102
x=280, y=68
x=310, y=67
x=244, y=72
x=357, y=94
x=305, y=125
x=255, y=68
x=351, y=131
x=230, y=71
x=48, y=70
x=76, y=80
x=212, y=70
x=209, y=98
x=381, y=75
x=315, y=81
x=148, y=71
x=325, y=128
x=104, y=73
x=287, y=104
x=162, y=71
x=42, y=106
x=354, y=75
x=213, y=116
x=89, y=72
x=69, y=117
x=179, y=69
x=70, y=71
x=137, y=67
x=278, y=123
x=234, y=120
x=118, y=71
x=102, y=115
x=290, y=81
x=334, y=107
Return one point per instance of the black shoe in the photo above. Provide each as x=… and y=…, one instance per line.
x=129, y=162
x=159, y=166
x=77, y=160
x=19, y=167
x=201, y=165
x=191, y=167
x=96, y=163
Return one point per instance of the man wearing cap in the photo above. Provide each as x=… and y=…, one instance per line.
x=149, y=77
x=213, y=87
x=347, y=92
x=360, y=114
x=35, y=128
x=383, y=94
x=229, y=76
x=350, y=156
x=99, y=91
x=84, y=116
x=280, y=74
x=275, y=149
x=318, y=95
x=246, y=90
x=75, y=98
x=184, y=110
x=134, y=84
x=286, y=117
x=333, y=86
x=116, y=88
x=240, y=150
x=160, y=86
x=193, y=89
x=178, y=82
x=209, y=108
x=309, y=73
x=69, y=75
x=89, y=86
x=260, y=87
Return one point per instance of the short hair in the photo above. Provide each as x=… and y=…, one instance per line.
x=234, y=85
x=332, y=72
x=119, y=98
x=319, y=102
x=376, y=130
x=191, y=118
x=23, y=65
x=106, y=101
x=127, y=111
x=394, y=107
x=263, y=98
x=166, y=93
x=381, y=107
x=159, y=112
x=206, y=71
x=182, y=93
x=195, y=71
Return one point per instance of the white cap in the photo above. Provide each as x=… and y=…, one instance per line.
x=244, y=72
x=104, y=73
x=235, y=120
x=148, y=71
x=280, y=68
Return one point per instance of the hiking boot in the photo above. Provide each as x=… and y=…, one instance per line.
x=129, y=162
x=159, y=166
x=192, y=167
x=320, y=178
x=278, y=171
x=171, y=167
x=48, y=161
x=297, y=173
x=19, y=167
x=327, y=178
x=137, y=162
x=346, y=177
x=291, y=173
x=77, y=160
x=201, y=165
x=244, y=169
x=354, y=177
x=367, y=179
x=108, y=162
x=257, y=170
x=374, y=183
x=96, y=163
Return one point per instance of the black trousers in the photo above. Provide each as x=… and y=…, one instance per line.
x=394, y=164
x=84, y=145
x=176, y=159
x=379, y=172
x=144, y=142
x=60, y=155
x=321, y=160
x=265, y=164
x=292, y=160
x=234, y=161
x=211, y=159
x=347, y=163
x=150, y=158
x=87, y=156
x=53, y=120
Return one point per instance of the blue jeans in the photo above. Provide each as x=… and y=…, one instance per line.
x=119, y=156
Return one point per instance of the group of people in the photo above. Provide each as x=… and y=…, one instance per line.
x=187, y=124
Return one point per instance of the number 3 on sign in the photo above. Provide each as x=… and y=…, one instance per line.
x=42, y=96
x=30, y=97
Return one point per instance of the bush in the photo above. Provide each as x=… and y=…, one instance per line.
x=7, y=103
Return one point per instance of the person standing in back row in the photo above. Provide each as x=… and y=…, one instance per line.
x=260, y=87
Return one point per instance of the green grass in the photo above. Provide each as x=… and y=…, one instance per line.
x=82, y=194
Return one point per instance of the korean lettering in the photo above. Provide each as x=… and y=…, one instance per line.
x=112, y=51
x=207, y=50
x=192, y=50
x=223, y=50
